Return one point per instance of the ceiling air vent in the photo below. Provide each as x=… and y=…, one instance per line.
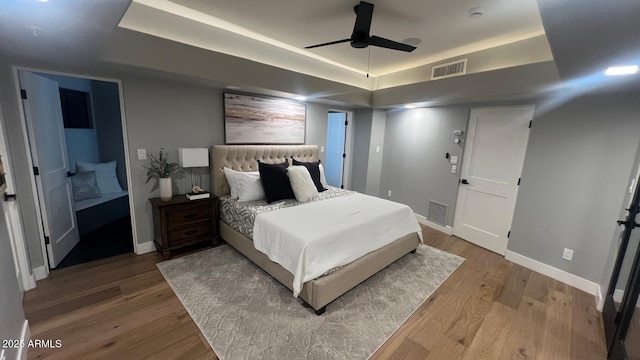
x=455, y=68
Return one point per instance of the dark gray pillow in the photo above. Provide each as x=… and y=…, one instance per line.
x=85, y=186
x=275, y=181
x=314, y=171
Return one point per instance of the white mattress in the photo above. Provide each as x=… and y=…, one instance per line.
x=310, y=239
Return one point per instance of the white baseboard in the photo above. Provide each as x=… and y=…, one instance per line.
x=24, y=336
x=40, y=272
x=583, y=284
x=145, y=248
x=445, y=229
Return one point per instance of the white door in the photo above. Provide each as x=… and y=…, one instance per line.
x=48, y=151
x=492, y=163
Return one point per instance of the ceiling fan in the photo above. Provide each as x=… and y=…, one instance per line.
x=360, y=37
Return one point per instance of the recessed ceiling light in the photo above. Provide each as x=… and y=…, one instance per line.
x=42, y=0
x=232, y=87
x=301, y=98
x=621, y=70
x=476, y=12
x=409, y=106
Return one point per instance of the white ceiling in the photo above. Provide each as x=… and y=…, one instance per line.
x=444, y=26
x=271, y=32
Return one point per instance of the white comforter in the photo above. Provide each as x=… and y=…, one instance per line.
x=310, y=239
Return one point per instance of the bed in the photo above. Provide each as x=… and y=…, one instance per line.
x=319, y=291
x=98, y=197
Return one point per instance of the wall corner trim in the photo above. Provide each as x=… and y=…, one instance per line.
x=40, y=273
x=580, y=283
x=445, y=229
x=25, y=336
x=145, y=248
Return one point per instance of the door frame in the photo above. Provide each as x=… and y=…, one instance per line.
x=26, y=279
x=348, y=146
x=466, y=160
x=32, y=179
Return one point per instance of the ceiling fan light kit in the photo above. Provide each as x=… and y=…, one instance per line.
x=361, y=38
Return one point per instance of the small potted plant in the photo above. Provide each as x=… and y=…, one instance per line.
x=160, y=168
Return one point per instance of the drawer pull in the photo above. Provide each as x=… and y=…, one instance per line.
x=190, y=216
x=191, y=232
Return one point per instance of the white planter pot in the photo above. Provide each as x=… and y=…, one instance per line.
x=165, y=189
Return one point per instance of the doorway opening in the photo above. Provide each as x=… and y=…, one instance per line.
x=336, y=154
x=77, y=146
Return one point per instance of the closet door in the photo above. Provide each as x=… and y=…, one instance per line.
x=620, y=312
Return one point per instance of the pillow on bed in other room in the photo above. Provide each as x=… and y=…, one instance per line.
x=314, y=171
x=275, y=181
x=303, y=187
x=105, y=175
x=249, y=186
x=85, y=186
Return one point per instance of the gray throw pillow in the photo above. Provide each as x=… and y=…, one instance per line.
x=85, y=186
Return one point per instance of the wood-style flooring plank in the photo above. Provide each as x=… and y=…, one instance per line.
x=587, y=338
x=123, y=308
x=556, y=338
x=491, y=337
x=514, y=286
x=525, y=331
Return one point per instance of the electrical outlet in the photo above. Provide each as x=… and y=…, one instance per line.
x=142, y=154
x=567, y=254
x=389, y=193
x=454, y=169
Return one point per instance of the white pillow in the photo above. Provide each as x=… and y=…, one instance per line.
x=231, y=180
x=303, y=187
x=105, y=175
x=249, y=186
x=323, y=180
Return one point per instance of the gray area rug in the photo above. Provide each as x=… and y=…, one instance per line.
x=245, y=314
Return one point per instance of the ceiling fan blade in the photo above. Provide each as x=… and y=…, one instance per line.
x=327, y=43
x=364, y=13
x=390, y=44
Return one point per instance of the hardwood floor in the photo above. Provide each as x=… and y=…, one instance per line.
x=489, y=308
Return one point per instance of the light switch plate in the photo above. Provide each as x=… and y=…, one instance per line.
x=453, y=160
x=142, y=154
x=321, y=149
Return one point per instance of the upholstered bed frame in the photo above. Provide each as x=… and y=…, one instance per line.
x=318, y=292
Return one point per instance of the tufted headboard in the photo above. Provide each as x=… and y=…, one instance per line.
x=245, y=158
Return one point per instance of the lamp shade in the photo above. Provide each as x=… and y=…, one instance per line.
x=193, y=157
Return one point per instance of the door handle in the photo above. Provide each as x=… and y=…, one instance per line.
x=8, y=197
x=464, y=181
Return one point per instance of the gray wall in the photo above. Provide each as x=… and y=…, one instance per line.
x=577, y=169
x=414, y=166
x=108, y=124
x=362, y=125
x=376, y=150
x=11, y=312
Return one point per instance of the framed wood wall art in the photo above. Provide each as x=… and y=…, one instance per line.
x=250, y=119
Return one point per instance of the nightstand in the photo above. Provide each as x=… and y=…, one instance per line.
x=182, y=224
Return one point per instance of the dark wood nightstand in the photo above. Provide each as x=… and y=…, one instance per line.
x=181, y=224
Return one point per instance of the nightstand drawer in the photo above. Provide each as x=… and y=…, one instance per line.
x=185, y=233
x=180, y=216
